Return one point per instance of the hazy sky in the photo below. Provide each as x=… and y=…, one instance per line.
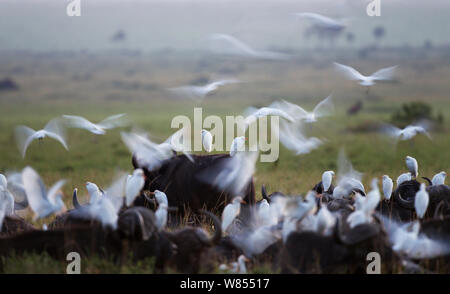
x=183, y=24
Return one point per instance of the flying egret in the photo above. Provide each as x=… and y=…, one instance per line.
x=53, y=129
x=108, y=123
x=238, y=144
x=200, y=92
x=322, y=109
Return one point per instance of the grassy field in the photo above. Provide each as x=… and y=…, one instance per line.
x=95, y=86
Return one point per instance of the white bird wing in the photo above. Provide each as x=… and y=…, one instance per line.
x=79, y=122
x=222, y=83
x=291, y=137
x=191, y=92
x=347, y=175
x=55, y=129
x=391, y=130
x=321, y=19
x=235, y=43
x=35, y=189
x=324, y=108
x=350, y=72
x=384, y=74
x=24, y=136
x=181, y=142
x=117, y=190
x=293, y=110
x=133, y=187
x=229, y=213
x=18, y=191
x=53, y=191
x=114, y=121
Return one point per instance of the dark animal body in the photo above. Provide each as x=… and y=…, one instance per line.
x=179, y=179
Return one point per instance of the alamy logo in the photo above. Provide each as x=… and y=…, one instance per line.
x=74, y=8
x=74, y=266
x=374, y=8
x=259, y=131
x=374, y=266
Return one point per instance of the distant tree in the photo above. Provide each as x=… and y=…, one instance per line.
x=379, y=32
x=415, y=111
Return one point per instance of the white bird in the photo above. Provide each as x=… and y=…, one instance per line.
x=161, y=216
x=348, y=179
x=161, y=197
x=252, y=114
x=324, y=221
x=200, y=92
x=230, y=212
x=231, y=174
x=135, y=183
x=207, y=140
x=406, y=239
x=236, y=267
x=322, y=21
x=15, y=187
x=44, y=227
x=403, y=178
x=439, y=179
x=95, y=193
x=412, y=165
x=42, y=202
x=388, y=186
x=324, y=108
x=6, y=197
x=240, y=48
x=327, y=178
x=147, y=154
x=53, y=129
x=180, y=141
x=292, y=137
x=407, y=133
x=384, y=74
x=365, y=206
x=298, y=208
x=265, y=213
x=237, y=145
x=421, y=201
x=108, y=123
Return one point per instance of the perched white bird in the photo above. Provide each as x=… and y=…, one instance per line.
x=322, y=21
x=324, y=108
x=412, y=165
x=265, y=213
x=161, y=216
x=237, y=145
x=42, y=202
x=207, y=140
x=108, y=123
x=384, y=74
x=407, y=133
x=439, y=179
x=6, y=197
x=200, y=92
x=403, y=178
x=388, y=186
x=161, y=197
x=135, y=183
x=421, y=201
x=95, y=193
x=327, y=178
x=292, y=137
x=53, y=129
x=237, y=47
x=230, y=212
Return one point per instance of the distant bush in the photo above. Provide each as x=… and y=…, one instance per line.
x=414, y=111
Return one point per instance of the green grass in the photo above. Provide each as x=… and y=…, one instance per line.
x=97, y=158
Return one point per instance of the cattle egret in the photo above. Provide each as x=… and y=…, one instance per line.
x=439, y=179
x=384, y=74
x=207, y=140
x=324, y=108
x=403, y=178
x=161, y=216
x=161, y=197
x=94, y=191
x=387, y=187
x=135, y=183
x=230, y=212
x=413, y=167
x=327, y=178
x=421, y=201
x=407, y=133
x=200, y=92
x=53, y=129
x=108, y=123
x=42, y=202
x=238, y=144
